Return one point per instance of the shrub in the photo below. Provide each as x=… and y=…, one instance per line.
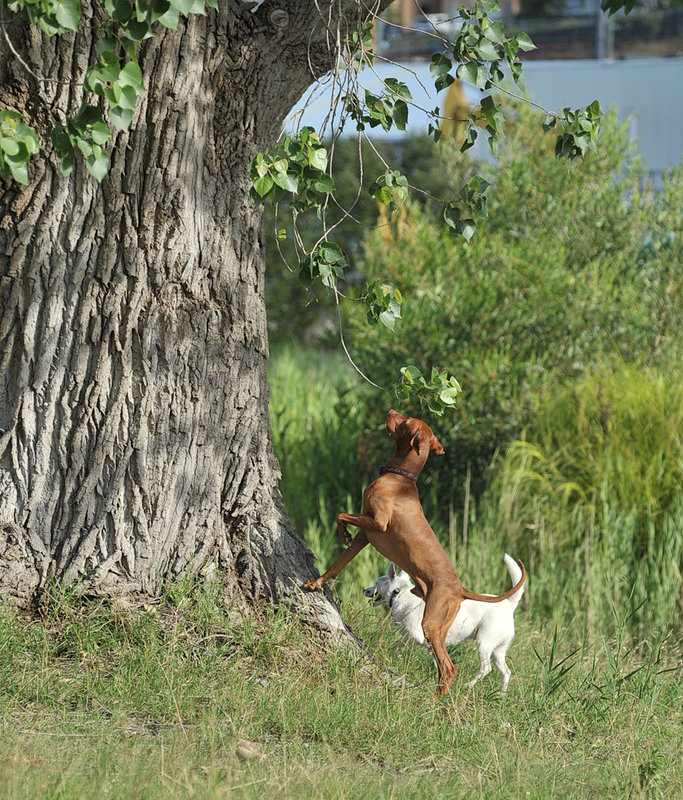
x=575, y=267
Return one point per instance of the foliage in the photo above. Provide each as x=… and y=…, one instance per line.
x=601, y=469
x=297, y=313
x=586, y=270
x=115, y=76
x=484, y=54
x=298, y=168
x=18, y=142
x=441, y=391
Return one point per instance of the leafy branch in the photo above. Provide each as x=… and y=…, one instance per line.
x=298, y=170
x=115, y=77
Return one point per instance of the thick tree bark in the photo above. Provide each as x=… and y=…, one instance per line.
x=134, y=437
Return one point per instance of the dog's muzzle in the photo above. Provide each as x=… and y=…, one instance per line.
x=373, y=595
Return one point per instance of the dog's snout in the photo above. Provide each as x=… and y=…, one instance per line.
x=369, y=592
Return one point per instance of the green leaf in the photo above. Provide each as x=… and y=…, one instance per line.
x=127, y=97
x=411, y=374
x=9, y=146
x=325, y=184
x=467, y=229
x=68, y=13
x=106, y=46
x=487, y=51
x=398, y=89
x=401, y=115
x=388, y=319
x=158, y=8
x=100, y=132
x=443, y=82
x=613, y=6
x=183, y=6
x=440, y=65
x=86, y=115
x=19, y=172
x=121, y=117
x=472, y=72
x=318, y=159
x=494, y=31
x=287, y=181
x=64, y=148
x=263, y=185
x=84, y=145
x=470, y=138
x=132, y=76
x=332, y=253
x=97, y=162
x=138, y=29
x=449, y=395
x=119, y=10
x=170, y=19
x=524, y=42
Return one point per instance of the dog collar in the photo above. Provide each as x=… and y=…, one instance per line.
x=399, y=471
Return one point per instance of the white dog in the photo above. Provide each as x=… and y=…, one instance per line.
x=491, y=625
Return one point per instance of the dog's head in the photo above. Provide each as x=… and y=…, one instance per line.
x=387, y=588
x=412, y=433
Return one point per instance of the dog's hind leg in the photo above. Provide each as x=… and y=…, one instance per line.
x=441, y=609
x=499, y=660
x=484, y=665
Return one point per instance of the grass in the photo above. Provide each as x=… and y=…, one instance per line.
x=184, y=700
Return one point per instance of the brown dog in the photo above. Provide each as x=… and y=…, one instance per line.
x=393, y=522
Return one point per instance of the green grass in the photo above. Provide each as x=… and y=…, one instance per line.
x=591, y=501
x=186, y=701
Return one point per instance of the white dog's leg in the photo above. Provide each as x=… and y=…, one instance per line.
x=499, y=660
x=484, y=666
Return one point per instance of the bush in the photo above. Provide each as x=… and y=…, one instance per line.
x=575, y=267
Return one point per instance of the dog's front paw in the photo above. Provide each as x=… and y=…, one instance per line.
x=312, y=584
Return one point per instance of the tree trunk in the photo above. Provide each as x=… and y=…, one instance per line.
x=134, y=437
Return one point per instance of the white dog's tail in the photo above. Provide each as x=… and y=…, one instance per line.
x=515, y=575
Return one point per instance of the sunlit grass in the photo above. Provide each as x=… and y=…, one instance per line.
x=184, y=700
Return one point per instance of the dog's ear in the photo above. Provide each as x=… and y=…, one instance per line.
x=391, y=572
x=418, y=434
x=436, y=446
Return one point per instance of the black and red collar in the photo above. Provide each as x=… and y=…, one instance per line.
x=398, y=471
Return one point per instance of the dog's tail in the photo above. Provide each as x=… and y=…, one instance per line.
x=487, y=598
x=515, y=576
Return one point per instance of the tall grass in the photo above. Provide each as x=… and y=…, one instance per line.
x=320, y=438
x=591, y=500
x=600, y=476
